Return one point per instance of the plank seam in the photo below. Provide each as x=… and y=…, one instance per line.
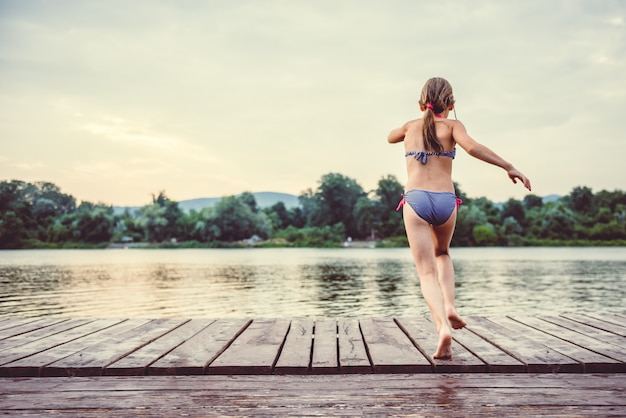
x=415, y=344
x=367, y=349
x=499, y=348
x=337, y=345
x=177, y=345
x=566, y=340
x=280, y=349
x=205, y=369
x=143, y=345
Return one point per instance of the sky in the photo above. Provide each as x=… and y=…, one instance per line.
x=114, y=101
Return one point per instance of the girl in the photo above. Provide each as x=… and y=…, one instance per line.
x=430, y=205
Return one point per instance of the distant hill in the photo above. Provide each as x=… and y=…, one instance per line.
x=263, y=200
x=551, y=198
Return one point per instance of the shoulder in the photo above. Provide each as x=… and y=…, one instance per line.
x=455, y=125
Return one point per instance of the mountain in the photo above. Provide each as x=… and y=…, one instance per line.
x=263, y=200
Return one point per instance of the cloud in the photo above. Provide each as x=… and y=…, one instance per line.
x=251, y=95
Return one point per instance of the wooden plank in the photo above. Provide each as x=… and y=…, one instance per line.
x=591, y=362
x=352, y=353
x=255, y=351
x=92, y=360
x=423, y=333
x=10, y=322
x=41, y=333
x=27, y=327
x=537, y=357
x=588, y=330
x=295, y=357
x=390, y=350
x=344, y=395
x=138, y=361
x=608, y=318
x=33, y=365
x=75, y=330
x=325, y=356
x=497, y=361
x=596, y=323
x=194, y=355
x=589, y=343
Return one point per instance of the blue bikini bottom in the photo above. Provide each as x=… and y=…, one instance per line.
x=434, y=207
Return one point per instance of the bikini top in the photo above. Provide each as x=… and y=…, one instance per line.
x=423, y=155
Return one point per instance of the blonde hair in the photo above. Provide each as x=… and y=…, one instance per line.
x=436, y=97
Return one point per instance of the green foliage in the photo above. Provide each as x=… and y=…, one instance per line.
x=39, y=215
x=484, y=235
x=313, y=236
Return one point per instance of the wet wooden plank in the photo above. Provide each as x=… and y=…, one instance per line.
x=138, y=361
x=352, y=353
x=295, y=357
x=423, y=333
x=390, y=350
x=591, y=362
x=537, y=357
x=588, y=330
x=92, y=360
x=605, y=349
x=33, y=365
x=255, y=351
x=469, y=395
x=194, y=355
x=325, y=356
x=596, y=323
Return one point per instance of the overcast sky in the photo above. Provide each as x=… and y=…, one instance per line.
x=115, y=100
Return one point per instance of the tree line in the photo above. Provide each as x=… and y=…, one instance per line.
x=39, y=215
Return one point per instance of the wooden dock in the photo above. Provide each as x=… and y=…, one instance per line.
x=61, y=347
x=568, y=365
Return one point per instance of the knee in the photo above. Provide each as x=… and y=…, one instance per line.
x=441, y=252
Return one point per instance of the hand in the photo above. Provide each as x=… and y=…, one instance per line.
x=514, y=175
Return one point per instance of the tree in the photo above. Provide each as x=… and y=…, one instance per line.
x=365, y=216
x=12, y=231
x=485, y=235
x=532, y=201
x=580, y=199
x=514, y=209
x=388, y=195
x=335, y=200
x=233, y=219
x=92, y=223
x=153, y=221
x=172, y=215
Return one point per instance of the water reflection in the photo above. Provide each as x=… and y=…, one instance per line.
x=301, y=282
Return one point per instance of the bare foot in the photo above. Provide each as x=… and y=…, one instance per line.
x=455, y=320
x=444, y=348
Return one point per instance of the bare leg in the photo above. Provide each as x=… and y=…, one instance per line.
x=442, y=237
x=421, y=241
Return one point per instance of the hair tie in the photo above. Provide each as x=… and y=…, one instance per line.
x=429, y=106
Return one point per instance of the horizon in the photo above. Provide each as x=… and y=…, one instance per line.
x=114, y=101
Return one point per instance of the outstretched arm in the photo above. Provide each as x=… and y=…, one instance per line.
x=485, y=154
x=397, y=135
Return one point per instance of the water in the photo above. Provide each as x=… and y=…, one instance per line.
x=256, y=283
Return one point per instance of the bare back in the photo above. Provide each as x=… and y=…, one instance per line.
x=436, y=174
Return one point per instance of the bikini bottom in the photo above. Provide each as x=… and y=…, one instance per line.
x=434, y=207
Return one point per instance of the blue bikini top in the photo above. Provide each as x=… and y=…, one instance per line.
x=423, y=155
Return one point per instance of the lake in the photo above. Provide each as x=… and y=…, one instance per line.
x=290, y=282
